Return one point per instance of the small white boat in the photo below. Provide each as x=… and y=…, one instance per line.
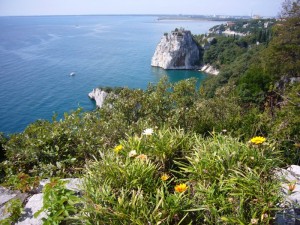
x=72, y=74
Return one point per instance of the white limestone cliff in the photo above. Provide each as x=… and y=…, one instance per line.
x=177, y=50
x=99, y=96
x=209, y=69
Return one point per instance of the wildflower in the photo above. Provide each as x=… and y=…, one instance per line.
x=181, y=188
x=132, y=153
x=258, y=140
x=148, y=132
x=254, y=221
x=164, y=177
x=231, y=200
x=118, y=148
x=291, y=187
x=264, y=216
x=142, y=157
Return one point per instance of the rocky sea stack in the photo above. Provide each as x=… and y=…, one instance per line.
x=177, y=50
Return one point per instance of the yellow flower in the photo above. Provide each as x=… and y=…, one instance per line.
x=142, y=157
x=258, y=140
x=181, y=188
x=164, y=177
x=118, y=148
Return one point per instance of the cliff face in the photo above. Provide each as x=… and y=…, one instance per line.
x=176, y=50
x=99, y=96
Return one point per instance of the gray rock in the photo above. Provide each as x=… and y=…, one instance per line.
x=99, y=96
x=34, y=204
x=209, y=69
x=5, y=196
x=290, y=213
x=177, y=50
x=288, y=176
x=73, y=184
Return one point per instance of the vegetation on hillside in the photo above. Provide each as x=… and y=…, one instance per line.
x=173, y=154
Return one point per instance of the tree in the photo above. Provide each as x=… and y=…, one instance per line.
x=283, y=56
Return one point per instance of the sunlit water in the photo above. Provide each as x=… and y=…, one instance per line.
x=37, y=55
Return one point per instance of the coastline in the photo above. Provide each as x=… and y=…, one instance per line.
x=209, y=69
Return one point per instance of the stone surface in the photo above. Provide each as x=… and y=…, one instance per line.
x=210, y=70
x=73, y=184
x=34, y=204
x=290, y=214
x=99, y=96
x=5, y=196
x=177, y=50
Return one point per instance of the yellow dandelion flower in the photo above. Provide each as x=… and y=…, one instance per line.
x=118, y=148
x=164, y=177
x=181, y=188
x=258, y=140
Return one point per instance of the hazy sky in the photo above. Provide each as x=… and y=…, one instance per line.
x=78, y=7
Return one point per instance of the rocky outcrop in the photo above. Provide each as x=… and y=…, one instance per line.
x=99, y=96
x=209, y=69
x=34, y=202
x=290, y=188
x=177, y=50
x=6, y=196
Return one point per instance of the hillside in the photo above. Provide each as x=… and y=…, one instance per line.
x=174, y=154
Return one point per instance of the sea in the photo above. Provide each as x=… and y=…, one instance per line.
x=38, y=54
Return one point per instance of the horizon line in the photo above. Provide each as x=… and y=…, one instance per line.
x=137, y=14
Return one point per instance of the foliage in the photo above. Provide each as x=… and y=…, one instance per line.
x=284, y=50
x=23, y=182
x=224, y=51
x=206, y=181
x=3, y=140
x=284, y=124
x=14, y=208
x=254, y=85
x=59, y=203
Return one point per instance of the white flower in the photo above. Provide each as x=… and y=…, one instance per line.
x=132, y=153
x=148, y=131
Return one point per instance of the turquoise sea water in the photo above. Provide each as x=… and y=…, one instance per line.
x=37, y=55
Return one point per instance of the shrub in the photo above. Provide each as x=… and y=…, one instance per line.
x=182, y=178
x=60, y=204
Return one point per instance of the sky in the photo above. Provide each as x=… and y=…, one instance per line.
x=190, y=7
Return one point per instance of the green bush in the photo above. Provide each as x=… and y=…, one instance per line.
x=60, y=204
x=222, y=181
x=254, y=85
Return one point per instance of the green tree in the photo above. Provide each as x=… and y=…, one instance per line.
x=283, y=55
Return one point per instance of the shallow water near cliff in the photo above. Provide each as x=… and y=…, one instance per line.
x=37, y=55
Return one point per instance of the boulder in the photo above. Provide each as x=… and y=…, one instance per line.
x=209, y=69
x=34, y=202
x=177, y=50
x=290, y=213
x=99, y=96
x=5, y=196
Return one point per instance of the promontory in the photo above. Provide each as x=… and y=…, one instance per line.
x=177, y=50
